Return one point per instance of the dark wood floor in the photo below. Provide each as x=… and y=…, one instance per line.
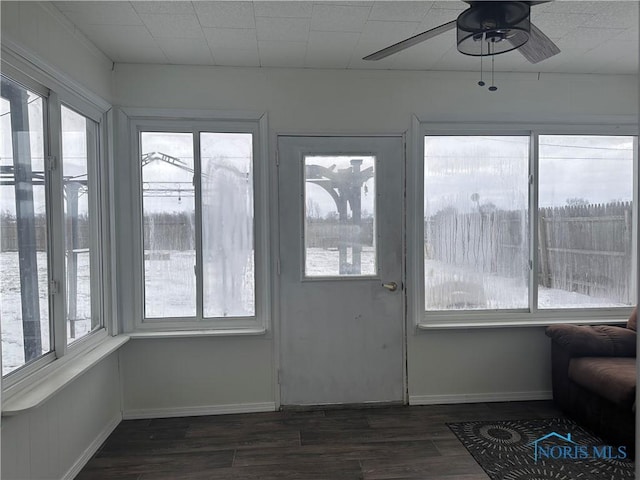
x=338, y=444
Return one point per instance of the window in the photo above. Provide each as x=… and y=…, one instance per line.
x=528, y=223
x=585, y=221
x=48, y=212
x=340, y=232
x=199, y=259
x=475, y=222
x=168, y=201
x=79, y=155
x=24, y=256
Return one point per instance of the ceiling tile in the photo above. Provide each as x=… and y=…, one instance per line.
x=102, y=13
x=331, y=49
x=185, y=51
x=594, y=36
x=357, y=3
x=436, y=17
x=236, y=57
x=126, y=44
x=571, y=6
x=282, y=29
x=339, y=18
x=626, y=18
x=588, y=38
x=282, y=54
x=450, y=5
x=225, y=14
x=179, y=7
x=174, y=26
x=399, y=11
x=557, y=25
x=243, y=38
x=389, y=31
x=283, y=9
x=333, y=41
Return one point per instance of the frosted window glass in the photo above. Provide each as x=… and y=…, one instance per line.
x=585, y=221
x=340, y=216
x=476, y=240
x=227, y=224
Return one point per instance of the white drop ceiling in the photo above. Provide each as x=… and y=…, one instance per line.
x=594, y=36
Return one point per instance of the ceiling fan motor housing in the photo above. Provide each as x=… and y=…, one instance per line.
x=491, y=28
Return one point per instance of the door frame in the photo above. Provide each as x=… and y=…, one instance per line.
x=274, y=161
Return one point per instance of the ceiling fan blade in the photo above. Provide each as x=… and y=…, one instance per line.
x=410, y=42
x=539, y=47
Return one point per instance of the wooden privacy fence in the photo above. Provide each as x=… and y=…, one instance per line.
x=585, y=249
x=493, y=242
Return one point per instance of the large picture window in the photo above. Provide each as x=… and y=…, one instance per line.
x=199, y=255
x=526, y=223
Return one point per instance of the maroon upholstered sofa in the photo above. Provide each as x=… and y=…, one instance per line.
x=594, y=377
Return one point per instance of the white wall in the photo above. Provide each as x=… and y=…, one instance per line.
x=449, y=365
x=50, y=441
x=44, y=32
x=173, y=377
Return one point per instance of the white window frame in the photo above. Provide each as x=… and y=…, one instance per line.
x=159, y=120
x=531, y=316
x=57, y=89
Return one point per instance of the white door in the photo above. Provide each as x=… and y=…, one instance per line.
x=341, y=299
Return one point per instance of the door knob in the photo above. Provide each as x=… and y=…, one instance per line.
x=391, y=286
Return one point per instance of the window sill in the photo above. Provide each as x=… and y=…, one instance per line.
x=37, y=394
x=198, y=333
x=544, y=322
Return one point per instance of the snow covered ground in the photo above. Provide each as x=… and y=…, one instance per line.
x=170, y=290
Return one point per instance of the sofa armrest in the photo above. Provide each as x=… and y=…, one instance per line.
x=594, y=341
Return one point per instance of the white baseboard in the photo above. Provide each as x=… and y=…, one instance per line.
x=479, y=397
x=92, y=449
x=198, y=411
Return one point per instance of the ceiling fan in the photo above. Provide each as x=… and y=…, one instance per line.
x=488, y=28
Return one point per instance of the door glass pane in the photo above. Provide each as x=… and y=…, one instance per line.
x=24, y=306
x=585, y=221
x=168, y=207
x=76, y=154
x=227, y=224
x=476, y=248
x=340, y=216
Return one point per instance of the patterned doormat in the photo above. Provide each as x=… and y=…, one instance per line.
x=541, y=449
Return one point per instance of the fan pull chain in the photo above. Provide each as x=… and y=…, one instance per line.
x=493, y=88
x=484, y=36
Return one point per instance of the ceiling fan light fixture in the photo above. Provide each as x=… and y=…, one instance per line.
x=492, y=28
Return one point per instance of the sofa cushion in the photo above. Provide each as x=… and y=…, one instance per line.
x=633, y=320
x=592, y=341
x=613, y=378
